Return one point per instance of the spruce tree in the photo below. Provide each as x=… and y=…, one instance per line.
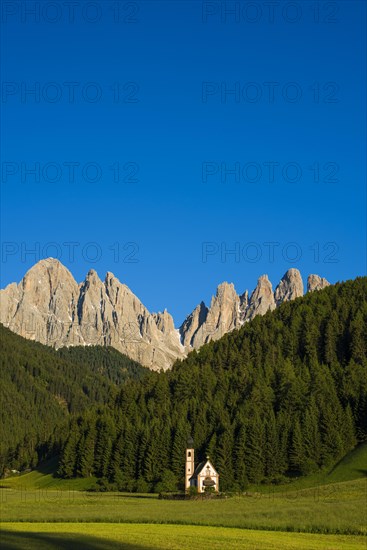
x=239, y=463
x=67, y=467
x=311, y=437
x=255, y=461
x=297, y=451
x=271, y=453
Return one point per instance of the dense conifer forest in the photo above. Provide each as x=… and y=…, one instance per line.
x=283, y=396
x=42, y=388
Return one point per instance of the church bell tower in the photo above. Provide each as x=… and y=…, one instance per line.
x=190, y=462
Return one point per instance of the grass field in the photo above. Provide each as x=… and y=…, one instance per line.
x=338, y=508
x=92, y=536
x=329, y=514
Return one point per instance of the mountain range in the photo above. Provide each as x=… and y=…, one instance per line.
x=50, y=307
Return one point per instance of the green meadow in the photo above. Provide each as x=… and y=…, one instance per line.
x=324, y=511
x=335, y=509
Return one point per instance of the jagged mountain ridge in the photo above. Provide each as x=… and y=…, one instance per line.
x=229, y=311
x=49, y=306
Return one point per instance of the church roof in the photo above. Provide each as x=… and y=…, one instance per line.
x=199, y=467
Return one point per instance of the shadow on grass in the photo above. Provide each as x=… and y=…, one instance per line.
x=13, y=540
x=48, y=467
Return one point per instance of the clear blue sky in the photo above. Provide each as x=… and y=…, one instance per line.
x=178, y=59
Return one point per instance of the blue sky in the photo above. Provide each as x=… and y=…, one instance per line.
x=152, y=99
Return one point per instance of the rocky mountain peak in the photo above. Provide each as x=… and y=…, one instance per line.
x=261, y=299
x=290, y=287
x=47, y=263
x=49, y=306
x=315, y=282
x=224, y=289
x=192, y=323
x=49, y=269
x=109, y=277
x=92, y=277
x=164, y=321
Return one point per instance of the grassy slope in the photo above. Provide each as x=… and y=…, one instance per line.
x=142, y=537
x=352, y=466
x=43, y=477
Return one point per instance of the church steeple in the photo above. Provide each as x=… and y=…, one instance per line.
x=190, y=462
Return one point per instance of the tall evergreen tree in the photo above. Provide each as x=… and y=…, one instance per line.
x=255, y=461
x=239, y=465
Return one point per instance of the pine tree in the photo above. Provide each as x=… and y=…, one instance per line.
x=239, y=463
x=67, y=466
x=128, y=459
x=255, y=462
x=224, y=457
x=114, y=469
x=311, y=438
x=103, y=447
x=310, y=336
x=347, y=431
x=332, y=445
x=178, y=450
x=331, y=338
x=358, y=338
x=271, y=452
x=211, y=447
x=85, y=453
x=297, y=451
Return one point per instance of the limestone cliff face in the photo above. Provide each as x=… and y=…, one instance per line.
x=261, y=300
x=315, y=282
x=290, y=287
x=43, y=306
x=192, y=323
x=222, y=317
x=49, y=306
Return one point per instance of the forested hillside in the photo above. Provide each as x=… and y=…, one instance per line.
x=40, y=388
x=285, y=395
x=109, y=362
